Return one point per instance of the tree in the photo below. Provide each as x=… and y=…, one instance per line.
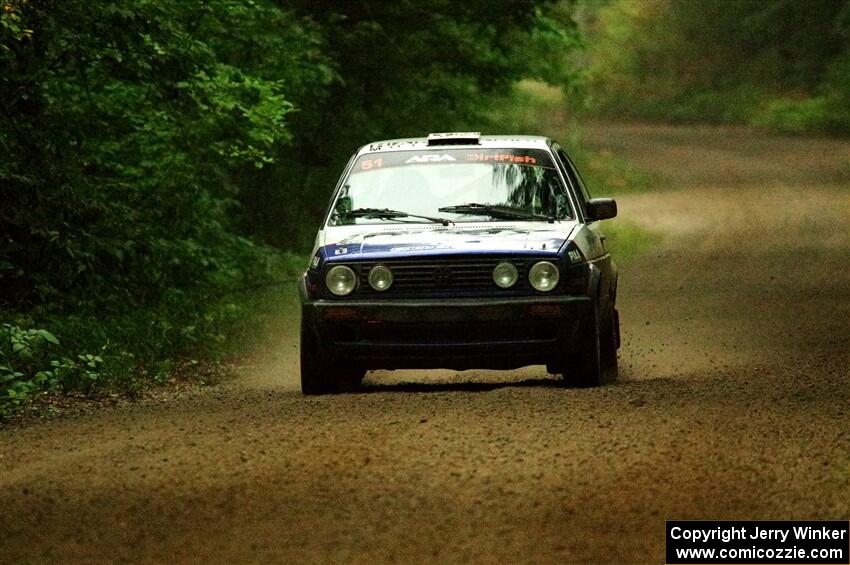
x=122, y=126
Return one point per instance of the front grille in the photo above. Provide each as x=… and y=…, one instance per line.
x=446, y=277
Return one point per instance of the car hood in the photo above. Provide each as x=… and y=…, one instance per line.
x=396, y=242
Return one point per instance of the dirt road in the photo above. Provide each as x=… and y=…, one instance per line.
x=734, y=403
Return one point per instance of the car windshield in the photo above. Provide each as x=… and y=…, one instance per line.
x=457, y=185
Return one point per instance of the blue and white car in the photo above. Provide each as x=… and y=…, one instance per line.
x=460, y=251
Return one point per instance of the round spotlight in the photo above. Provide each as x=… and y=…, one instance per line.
x=543, y=276
x=341, y=280
x=380, y=278
x=505, y=275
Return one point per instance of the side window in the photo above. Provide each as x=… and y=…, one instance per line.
x=572, y=172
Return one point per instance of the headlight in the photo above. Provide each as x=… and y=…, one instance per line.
x=505, y=275
x=543, y=276
x=341, y=280
x=380, y=278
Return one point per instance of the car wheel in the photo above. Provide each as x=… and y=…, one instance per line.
x=594, y=361
x=322, y=374
x=609, y=343
x=314, y=371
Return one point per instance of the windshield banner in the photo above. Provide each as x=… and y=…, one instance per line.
x=383, y=160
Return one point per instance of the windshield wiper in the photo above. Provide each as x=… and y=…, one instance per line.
x=501, y=212
x=386, y=213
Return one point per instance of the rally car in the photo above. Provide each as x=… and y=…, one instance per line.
x=460, y=251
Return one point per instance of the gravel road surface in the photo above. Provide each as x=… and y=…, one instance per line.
x=734, y=403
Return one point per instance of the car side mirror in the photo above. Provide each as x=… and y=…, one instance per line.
x=601, y=208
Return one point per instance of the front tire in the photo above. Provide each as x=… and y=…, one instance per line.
x=314, y=374
x=322, y=373
x=594, y=361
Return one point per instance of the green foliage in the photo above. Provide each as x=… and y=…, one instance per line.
x=13, y=27
x=24, y=364
x=30, y=362
x=770, y=62
x=123, y=130
x=828, y=111
x=797, y=116
x=523, y=107
x=131, y=349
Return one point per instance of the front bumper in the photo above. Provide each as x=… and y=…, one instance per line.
x=499, y=333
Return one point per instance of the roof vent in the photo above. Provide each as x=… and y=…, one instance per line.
x=455, y=138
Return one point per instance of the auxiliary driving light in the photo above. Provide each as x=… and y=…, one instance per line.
x=380, y=278
x=543, y=276
x=505, y=275
x=341, y=280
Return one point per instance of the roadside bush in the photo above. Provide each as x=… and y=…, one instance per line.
x=22, y=356
x=30, y=364
x=730, y=105
x=799, y=116
x=93, y=351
